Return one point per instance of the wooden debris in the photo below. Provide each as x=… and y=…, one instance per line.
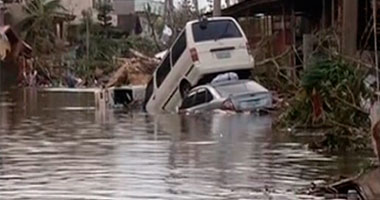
x=134, y=71
x=375, y=128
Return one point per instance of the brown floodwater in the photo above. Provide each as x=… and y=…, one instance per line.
x=57, y=146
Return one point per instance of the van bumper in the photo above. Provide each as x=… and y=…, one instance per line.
x=198, y=72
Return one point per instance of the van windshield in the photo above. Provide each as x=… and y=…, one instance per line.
x=215, y=30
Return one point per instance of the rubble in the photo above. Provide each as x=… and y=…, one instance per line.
x=134, y=71
x=365, y=186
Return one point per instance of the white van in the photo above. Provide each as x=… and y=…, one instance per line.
x=204, y=49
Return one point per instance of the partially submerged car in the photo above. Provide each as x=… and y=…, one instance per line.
x=203, y=50
x=233, y=95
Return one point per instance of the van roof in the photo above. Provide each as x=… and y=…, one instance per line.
x=211, y=19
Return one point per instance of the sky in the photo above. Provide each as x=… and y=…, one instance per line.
x=202, y=3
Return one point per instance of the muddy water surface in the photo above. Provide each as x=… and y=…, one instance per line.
x=57, y=146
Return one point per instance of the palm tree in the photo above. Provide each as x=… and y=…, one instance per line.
x=38, y=27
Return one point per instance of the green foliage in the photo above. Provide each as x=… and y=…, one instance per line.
x=143, y=45
x=327, y=76
x=105, y=43
x=38, y=28
x=86, y=68
x=337, y=90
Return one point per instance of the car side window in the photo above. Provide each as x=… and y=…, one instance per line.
x=200, y=98
x=188, y=101
x=209, y=96
x=197, y=98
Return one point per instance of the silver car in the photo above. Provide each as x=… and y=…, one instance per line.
x=235, y=95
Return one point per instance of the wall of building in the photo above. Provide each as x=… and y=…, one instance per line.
x=123, y=7
x=76, y=7
x=157, y=7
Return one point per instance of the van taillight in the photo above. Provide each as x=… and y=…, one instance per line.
x=194, y=54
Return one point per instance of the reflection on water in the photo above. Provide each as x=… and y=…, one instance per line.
x=56, y=146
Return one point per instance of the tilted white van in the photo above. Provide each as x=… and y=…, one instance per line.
x=204, y=49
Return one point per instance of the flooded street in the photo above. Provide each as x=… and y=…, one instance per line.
x=57, y=146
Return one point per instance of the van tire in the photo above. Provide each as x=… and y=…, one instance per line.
x=184, y=88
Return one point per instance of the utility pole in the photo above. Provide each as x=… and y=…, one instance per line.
x=228, y=3
x=217, y=8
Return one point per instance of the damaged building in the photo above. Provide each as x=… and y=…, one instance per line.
x=292, y=24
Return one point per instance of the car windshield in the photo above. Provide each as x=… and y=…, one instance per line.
x=215, y=30
x=226, y=90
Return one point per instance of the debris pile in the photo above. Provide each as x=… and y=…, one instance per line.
x=365, y=186
x=133, y=71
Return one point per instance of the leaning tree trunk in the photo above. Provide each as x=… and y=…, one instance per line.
x=217, y=8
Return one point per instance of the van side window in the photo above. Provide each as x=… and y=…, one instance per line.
x=163, y=70
x=179, y=47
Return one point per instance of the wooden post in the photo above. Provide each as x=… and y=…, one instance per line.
x=283, y=26
x=323, y=14
x=332, y=13
x=293, y=39
x=350, y=26
x=307, y=48
x=374, y=9
x=217, y=8
x=228, y=3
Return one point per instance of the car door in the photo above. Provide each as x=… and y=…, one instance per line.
x=203, y=100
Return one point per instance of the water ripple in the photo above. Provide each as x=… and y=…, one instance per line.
x=79, y=153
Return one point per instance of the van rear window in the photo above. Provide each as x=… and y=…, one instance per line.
x=215, y=30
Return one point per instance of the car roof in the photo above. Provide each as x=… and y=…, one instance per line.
x=229, y=82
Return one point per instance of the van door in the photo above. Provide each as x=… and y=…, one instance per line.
x=219, y=43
